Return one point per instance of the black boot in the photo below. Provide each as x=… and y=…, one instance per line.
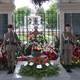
x=13, y=68
x=68, y=69
x=10, y=70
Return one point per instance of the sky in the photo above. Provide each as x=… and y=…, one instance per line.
x=22, y=3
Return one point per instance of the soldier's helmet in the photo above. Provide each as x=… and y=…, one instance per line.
x=10, y=26
x=67, y=25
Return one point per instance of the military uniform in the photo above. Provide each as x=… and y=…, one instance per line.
x=10, y=40
x=67, y=41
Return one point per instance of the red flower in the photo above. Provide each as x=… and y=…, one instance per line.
x=39, y=63
x=21, y=58
x=46, y=60
x=34, y=59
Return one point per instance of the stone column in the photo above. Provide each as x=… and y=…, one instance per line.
x=61, y=21
x=10, y=18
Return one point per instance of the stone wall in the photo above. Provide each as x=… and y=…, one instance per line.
x=6, y=1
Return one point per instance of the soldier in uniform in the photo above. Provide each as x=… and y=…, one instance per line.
x=67, y=41
x=10, y=41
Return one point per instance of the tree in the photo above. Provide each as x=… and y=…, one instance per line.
x=19, y=15
x=41, y=13
x=51, y=16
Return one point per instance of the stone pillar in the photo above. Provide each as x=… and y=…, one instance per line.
x=61, y=23
x=10, y=18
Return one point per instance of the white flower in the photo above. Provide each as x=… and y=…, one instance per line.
x=26, y=63
x=31, y=63
x=47, y=64
x=39, y=66
x=52, y=63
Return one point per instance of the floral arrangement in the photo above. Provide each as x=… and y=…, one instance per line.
x=3, y=57
x=39, y=67
x=76, y=56
x=22, y=57
x=39, y=38
x=36, y=49
x=50, y=52
x=40, y=64
x=39, y=60
x=76, y=53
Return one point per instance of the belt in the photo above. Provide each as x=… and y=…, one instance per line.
x=12, y=43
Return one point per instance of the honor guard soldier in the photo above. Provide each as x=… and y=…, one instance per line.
x=10, y=41
x=67, y=42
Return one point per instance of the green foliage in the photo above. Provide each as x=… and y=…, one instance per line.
x=41, y=39
x=51, y=16
x=41, y=13
x=19, y=14
x=32, y=71
x=48, y=17
x=22, y=37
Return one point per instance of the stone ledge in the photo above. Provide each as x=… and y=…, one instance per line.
x=6, y=7
x=69, y=6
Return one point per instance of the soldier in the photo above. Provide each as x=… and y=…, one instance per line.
x=67, y=40
x=10, y=41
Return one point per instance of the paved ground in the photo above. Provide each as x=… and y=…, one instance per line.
x=75, y=75
x=63, y=75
